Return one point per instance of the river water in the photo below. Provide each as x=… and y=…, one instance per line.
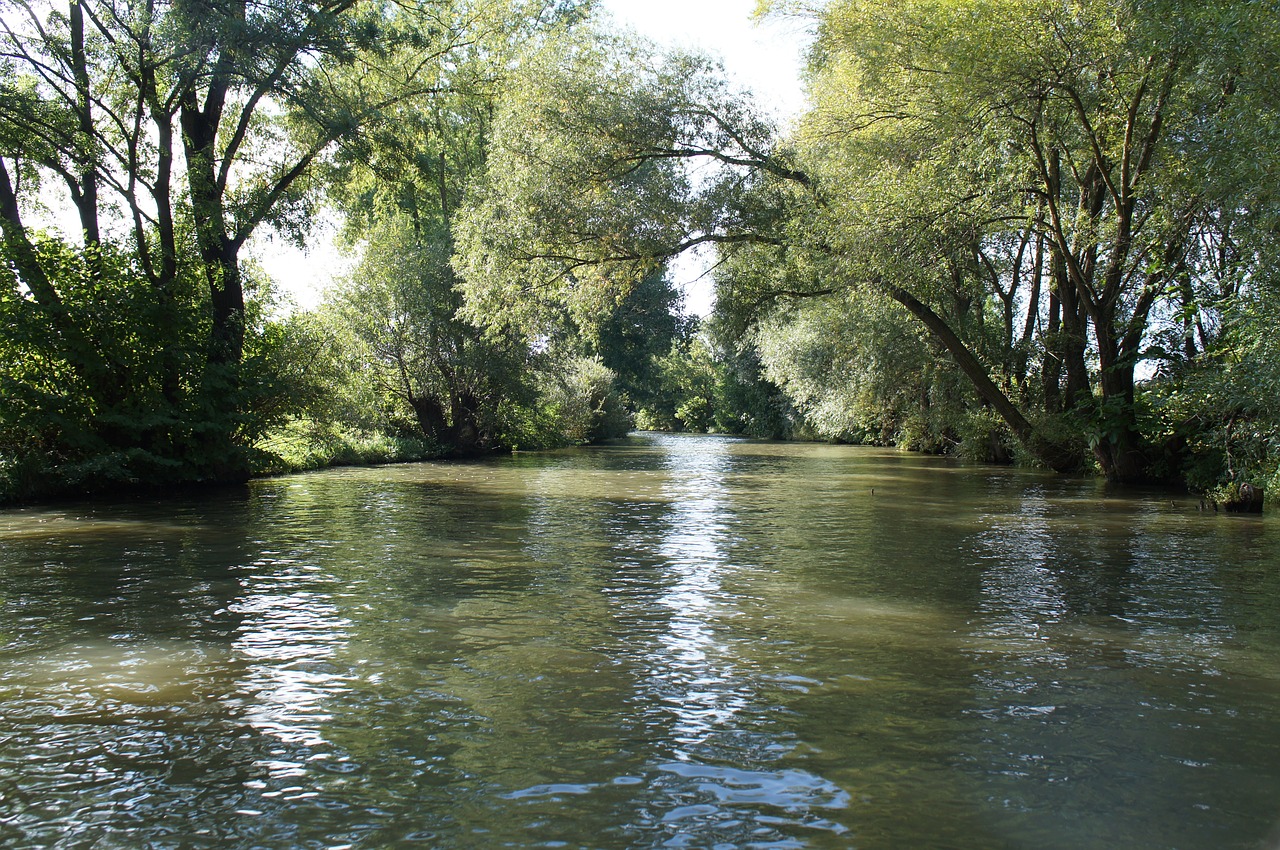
x=671, y=642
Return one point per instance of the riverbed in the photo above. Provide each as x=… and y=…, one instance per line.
x=672, y=641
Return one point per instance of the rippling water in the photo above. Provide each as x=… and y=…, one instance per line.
x=673, y=642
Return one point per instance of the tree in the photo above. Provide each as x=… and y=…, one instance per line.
x=399, y=185
x=1079, y=129
x=637, y=334
x=430, y=368
x=1037, y=184
x=589, y=191
x=858, y=371
x=177, y=131
x=586, y=191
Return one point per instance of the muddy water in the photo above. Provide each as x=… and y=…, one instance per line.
x=672, y=642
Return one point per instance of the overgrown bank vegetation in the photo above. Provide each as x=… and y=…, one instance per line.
x=1018, y=230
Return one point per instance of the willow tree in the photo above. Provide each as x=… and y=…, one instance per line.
x=175, y=132
x=588, y=188
x=399, y=186
x=1030, y=179
x=610, y=159
x=1090, y=132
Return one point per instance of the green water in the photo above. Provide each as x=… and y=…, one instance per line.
x=673, y=642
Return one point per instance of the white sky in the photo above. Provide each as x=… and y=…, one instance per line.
x=764, y=57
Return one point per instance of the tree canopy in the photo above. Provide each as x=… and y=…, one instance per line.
x=1009, y=228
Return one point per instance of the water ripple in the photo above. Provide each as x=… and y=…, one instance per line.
x=674, y=642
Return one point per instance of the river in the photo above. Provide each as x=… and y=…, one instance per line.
x=674, y=641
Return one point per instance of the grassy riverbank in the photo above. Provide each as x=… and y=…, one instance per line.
x=303, y=445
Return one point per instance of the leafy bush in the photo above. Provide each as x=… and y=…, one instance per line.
x=114, y=388
x=303, y=443
x=586, y=408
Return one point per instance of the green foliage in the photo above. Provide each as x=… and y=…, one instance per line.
x=859, y=370
x=675, y=378
x=307, y=443
x=586, y=191
x=183, y=129
x=708, y=386
x=853, y=366
x=747, y=402
x=637, y=334
x=691, y=371
x=409, y=361
x=1041, y=186
x=995, y=212
x=582, y=401
x=114, y=388
x=1221, y=415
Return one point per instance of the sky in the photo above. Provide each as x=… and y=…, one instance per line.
x=765, y=57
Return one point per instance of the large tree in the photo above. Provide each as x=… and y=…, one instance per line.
x=587, y=189
x=1089, y=134
x=174, y=132
x=400, y=185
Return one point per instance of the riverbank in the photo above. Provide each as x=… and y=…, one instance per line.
x=304, y=446
x=307, y=446
x=297, y=447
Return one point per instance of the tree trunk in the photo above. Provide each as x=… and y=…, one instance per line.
x=431, y=418
x=86, y=195
x=1074, y=339
x=1032, y=312
x=218, y=253
x=1057, y=457
x=1118, y=445
x=466, y=430
x=1051, y=367
x=222, y=381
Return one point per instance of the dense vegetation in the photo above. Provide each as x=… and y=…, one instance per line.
x=1026, y=230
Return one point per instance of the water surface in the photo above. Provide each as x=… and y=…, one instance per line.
x=672, y=642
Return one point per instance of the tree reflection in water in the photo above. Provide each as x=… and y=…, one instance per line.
x=1096, y=638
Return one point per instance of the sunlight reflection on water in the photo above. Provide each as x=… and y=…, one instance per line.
x=691, y=668
x=699, y=679
x=290, y=636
